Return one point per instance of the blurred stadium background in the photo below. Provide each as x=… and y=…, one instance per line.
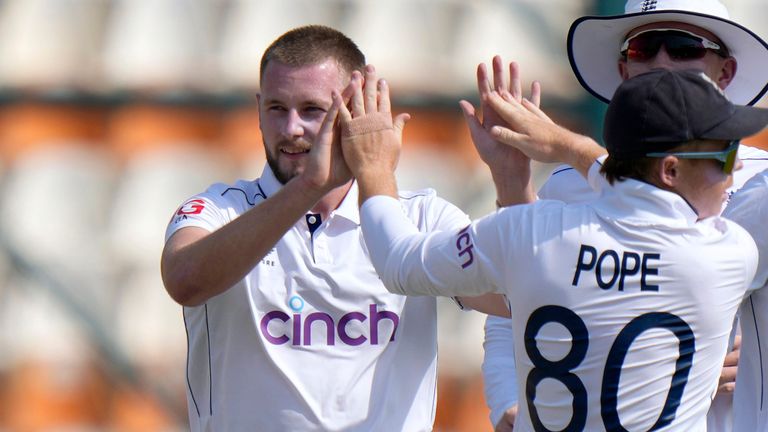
x=113, y=111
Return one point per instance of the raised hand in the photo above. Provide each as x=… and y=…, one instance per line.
x=509, y=167
x=370, y=137
x=531, y=131
x=326, y=168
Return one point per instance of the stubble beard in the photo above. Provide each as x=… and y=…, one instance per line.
x=283, y=176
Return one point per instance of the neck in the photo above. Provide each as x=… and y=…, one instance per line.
x=331, y=201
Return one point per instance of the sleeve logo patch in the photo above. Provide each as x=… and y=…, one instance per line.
x=191, y=207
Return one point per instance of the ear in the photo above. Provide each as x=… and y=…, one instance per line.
x=623, y=69
x=727, y=72
x=669, y=172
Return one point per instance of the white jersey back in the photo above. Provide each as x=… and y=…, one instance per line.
x=566, y=184
x=310, y=340
x=621, y=307
x=749, y=208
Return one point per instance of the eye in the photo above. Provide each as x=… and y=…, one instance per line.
x=314, y=110
x=276, y=108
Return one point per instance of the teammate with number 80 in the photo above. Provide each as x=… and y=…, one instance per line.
x=621, y=307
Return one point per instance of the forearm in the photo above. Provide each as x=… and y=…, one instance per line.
x=197, y=267
x=499, y=376
x=582, y=151
x=514, y=187
x=373, y=184
x=491, y=304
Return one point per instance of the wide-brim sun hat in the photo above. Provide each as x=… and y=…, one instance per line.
x=594, y=42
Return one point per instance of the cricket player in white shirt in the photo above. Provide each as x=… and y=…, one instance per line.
x=289, y=327
x=622, y=307
x=604, y=50
x=749, y=208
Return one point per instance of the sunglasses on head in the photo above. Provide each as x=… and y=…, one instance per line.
x=679, y=44
x=727, y=157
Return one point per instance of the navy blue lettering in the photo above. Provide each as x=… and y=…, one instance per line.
x=626, y=270
x=609, y=266
x=599, y=269
x=649, y=271
x=581, y=264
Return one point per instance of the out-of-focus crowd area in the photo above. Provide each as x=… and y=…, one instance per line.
x=114, y=111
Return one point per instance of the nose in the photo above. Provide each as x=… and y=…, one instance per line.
x=662, y=60
x=292, y=127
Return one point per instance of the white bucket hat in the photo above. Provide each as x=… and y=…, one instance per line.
x=594, y=42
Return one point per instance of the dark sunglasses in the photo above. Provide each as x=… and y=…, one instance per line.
x=727, y=157
x=679, y=44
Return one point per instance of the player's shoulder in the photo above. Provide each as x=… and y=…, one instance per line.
x=757, y=182
x=239, y=193
x=430, y=211
x=753, y=154
x=733, y=234
x=421, y=198
x=751, y=200
x=566, y=184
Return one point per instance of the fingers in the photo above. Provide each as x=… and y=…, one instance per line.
x=370, y=90
x=515, y=83
x=536, y=93
x=732, y=359
x=530, y=106
x=349, y=90
x=499, y=81
x=343, y=111
x=727, y=381
x=483, y=84
x=356, y=103
x=326, y=128
x=384, y=103
x=509, y=110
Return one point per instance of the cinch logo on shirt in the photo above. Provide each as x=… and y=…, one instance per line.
x=299, y=331
x=464, y=246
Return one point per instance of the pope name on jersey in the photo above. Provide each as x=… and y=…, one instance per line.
x=290, y=322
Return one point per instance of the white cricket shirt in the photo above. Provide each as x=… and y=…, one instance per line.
x=310, y=340
x=621, y=307
x=749, y=208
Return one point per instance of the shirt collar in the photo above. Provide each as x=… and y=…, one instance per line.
x=348, y=208
x=641, y=203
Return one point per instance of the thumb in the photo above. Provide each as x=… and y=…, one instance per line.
x=399, y=125
x=469, y=116
x=509, y=137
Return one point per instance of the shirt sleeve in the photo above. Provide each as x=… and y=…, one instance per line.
x=203, y=211
x=499, y=377
x=441, y=263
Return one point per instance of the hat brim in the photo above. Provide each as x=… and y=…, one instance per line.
x=594, y=42
x=744, y=122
